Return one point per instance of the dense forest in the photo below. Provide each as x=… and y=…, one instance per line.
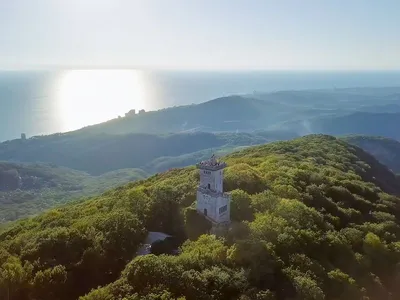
x=27, y=189
x=313, y=218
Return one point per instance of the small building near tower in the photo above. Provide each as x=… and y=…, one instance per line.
x=212, y=202
x=142, y=111
x=23, y=136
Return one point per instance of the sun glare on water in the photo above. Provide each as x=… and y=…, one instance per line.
x=87, y=97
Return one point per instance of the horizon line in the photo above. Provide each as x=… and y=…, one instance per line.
x=161, y=69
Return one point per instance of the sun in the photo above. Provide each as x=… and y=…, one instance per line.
x=86, y=97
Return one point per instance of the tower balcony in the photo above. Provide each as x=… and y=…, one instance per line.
x=211, y=164
x=205, y=190
x=205, y=165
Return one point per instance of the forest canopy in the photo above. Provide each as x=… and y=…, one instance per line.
x=27, y=189
x=312, y=218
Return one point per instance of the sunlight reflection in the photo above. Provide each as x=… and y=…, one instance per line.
x=88, y=97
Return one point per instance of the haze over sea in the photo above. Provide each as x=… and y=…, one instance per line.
x=45, y=102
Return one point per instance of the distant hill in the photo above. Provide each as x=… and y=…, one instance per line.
x=100, y=153
x=386, y=150
x=366, y=111
x=222, y=114
x=257, y=111
x=358, y=123
x=379, y=124
x=27, y=189
x=136, y=141
x=312, y=218
x=329, y=98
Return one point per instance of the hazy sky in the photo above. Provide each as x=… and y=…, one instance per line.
x=201, y=34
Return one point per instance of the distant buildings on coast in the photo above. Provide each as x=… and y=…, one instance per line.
x=129, y=114
x=132, y=112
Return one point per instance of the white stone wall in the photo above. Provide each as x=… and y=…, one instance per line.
x=214, y=179
x=218, y=208
x=207, y=202
x=219, y=182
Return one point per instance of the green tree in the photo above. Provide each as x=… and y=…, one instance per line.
x=14, y=279
x=49, y=284
x=241, y=209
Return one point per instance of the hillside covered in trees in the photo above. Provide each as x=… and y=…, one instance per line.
x=386, y=150
x=100, y=153
x=48, y=185
x=313, y=218
x=29, y=188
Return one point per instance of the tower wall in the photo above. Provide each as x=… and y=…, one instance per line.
x=215, y=207
x=207, y=205
x=212, y=180
x=219, y=182
x=212, y=202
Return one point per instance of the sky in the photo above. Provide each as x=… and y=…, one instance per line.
x=201, y=34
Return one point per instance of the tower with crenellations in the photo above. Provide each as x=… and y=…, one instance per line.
x=212, y=202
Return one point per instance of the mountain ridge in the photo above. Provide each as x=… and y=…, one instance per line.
x=258, y=110
x=101, y=153
x=313, y=218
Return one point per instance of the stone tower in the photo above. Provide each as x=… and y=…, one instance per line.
x=212, y=202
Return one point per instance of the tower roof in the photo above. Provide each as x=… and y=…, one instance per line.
x=211, y=164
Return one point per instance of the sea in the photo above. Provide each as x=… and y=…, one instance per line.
x=46, y=102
